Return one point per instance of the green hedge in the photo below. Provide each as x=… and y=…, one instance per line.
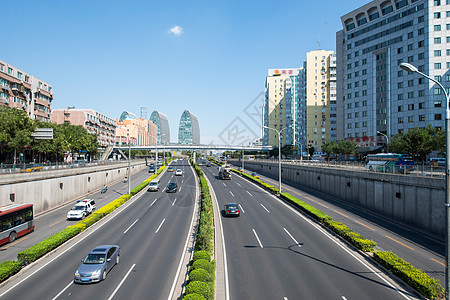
x=203, y=264
x=201, y=288
x=9, y=268
x=309, y=209
x=201, y=275
x=424, y=284
x=201, y=255
x=194, y=297
x=47, y=245
x=355, y=238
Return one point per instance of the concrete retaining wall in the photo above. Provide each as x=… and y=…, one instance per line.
x=47, y=189
x=416, y=201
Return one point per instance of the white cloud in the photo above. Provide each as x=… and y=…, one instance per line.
x=176, y=30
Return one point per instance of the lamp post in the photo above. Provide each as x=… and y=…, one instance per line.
x=410, y=68
x=129, y=161
x=279, y=154
x=387, y=139
x=243, y=156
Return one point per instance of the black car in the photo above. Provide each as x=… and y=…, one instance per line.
x=231, y=209
x=171, y=187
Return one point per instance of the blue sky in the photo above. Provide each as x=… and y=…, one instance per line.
x=113, y=56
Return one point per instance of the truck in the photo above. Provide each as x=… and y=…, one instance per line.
x=225, y=172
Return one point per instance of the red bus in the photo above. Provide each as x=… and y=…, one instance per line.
x=15, y=220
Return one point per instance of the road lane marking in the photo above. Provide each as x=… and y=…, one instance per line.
x=343, y=298
x=437, y=261
x=130, y=226
x=231, y=193
x=153, y=202
x=16, y=242
x=160, y=226
x=249, y=193
x=56, y=222
x=354, y=220
x=257, y=238
x=316, y=201
x=121, y=282
x=180, y=189
x=59, y=294
x=238, y=183
x=399, y=242
x=364, y=225
x=224, y=184
x=298, y=244
x=242, y=208
x=174, y=201
x=265, y=208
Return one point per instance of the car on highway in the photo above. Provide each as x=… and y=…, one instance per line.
x=240, y=169
x=90, y=201
x=208, y=164
x=179, y=172
x=170, y=169
x=153, y=186
x=172, y=187
x=97, y=264
x=256, y=175
x=151, y=170
x=231, y=209
x=80, y=211
x=33, y=168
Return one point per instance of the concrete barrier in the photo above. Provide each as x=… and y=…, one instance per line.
x=413, y=200
x=48, y=189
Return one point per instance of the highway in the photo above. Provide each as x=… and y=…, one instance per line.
x=423, y=251
x=151, y=232
x=274, y=252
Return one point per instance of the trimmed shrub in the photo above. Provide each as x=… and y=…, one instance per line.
x=203, y=264
x=194, y=297
x=202, y=255
x=9, y=268
x=47, y=245
x=201, y=275
x=201, y=288
x=424, y=284
x=309, y=209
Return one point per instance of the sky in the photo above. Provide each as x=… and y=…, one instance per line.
x=209, y=57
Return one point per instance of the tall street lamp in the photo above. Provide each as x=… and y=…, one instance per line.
x=410, y=68
x=387, y=139
x=279, y=154
x=129, y=162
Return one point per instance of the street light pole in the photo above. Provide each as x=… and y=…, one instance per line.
x=387, y=139
x=410, y=68
x=279, y=154
x=129, y=162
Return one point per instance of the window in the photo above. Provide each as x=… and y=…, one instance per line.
x=421, y=19
x=421, y=118
x=421, y=55
x=356, y=53
x=364, y=72
x=410, y=35
x=400, y=108
x=411, y=82
x=421, y=93
x=411, y=106
x=437, y=27
x=364, y=92
x=364, y=113
x=437, y=52
x=411, y=119
x=447, y=26
x=410, y=47
x=400, y=120
x=364, y=103
x=437, y=15
x=437, y=91
x=349, y=66
x=356, y=63
x=447, y=39
x=438, y=117
x=357, y=84
x=410, y=59
x=437, y=2
x=410, y=95
x=364, y=82
x=438, y=78
x=421, y=31
x=349, y=85
x=356, y=73
x=400, y=85
x=364, y=61
x=400, y=97
x=437, y=40
x=437, y=65
x=400, y=50
x=421, y=44
x=400, y=73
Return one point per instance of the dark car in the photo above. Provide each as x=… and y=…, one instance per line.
x=97, y=264
x=231, y=209
x=151, y=170
x=172, y=187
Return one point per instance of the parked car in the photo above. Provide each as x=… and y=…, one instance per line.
x=97, y=264
x=79, y=211
x=231, y=209
x=179, y=172
x=172, y=187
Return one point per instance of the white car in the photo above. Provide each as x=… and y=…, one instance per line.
x=79, y=211
x=90, y=201
x=179, y=172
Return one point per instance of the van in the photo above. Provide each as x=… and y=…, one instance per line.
x=153, y=186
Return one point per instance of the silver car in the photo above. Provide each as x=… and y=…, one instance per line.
x=97, y=264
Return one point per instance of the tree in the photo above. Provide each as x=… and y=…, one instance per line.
x=287, y=150
x=329, y=147
x=346, y=147
x=273, y=152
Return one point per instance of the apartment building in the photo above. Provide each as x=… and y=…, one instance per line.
x=374, y=95
x=19, y=89
x=136, y=131
x=94, y=122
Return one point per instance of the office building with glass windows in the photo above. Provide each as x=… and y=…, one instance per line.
x=373, y=93
x=163, y=130
x=189, y=130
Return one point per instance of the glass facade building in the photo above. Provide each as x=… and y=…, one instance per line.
x=189, y=130
x=163, y=131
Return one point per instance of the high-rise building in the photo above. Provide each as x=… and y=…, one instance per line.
x=283, y=109
x=320, y=98
x=374, y=94
x=136, y=131
x=163, y=131
x=189, y=130
x=94, y=122
x=23, y=91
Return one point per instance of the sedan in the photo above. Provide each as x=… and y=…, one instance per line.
x=172, y=187
x=97, y=264
x=179, y=172
x=231, y=209
x=256, y=175
x=170, y=169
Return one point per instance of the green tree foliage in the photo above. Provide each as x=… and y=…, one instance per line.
x=329, y=147
x=273, y=152
x=287, y=150
x=345, y=147
x=418, y=142
x=15, y=128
